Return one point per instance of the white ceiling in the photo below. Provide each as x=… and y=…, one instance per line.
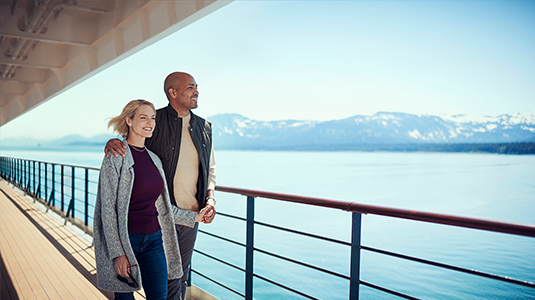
x=48, y=46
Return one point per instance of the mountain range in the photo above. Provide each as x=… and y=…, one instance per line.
x=233, y=131
x=236, y=132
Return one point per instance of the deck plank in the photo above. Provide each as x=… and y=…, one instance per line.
x=34, y=264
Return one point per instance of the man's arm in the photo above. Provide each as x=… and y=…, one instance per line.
x=210, y=192
x=116, y=147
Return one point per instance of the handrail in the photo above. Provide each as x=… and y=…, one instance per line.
x=482, y=224
x=57, y=164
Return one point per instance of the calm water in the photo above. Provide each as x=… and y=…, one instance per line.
x=497, y=187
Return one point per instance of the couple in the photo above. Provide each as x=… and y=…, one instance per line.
x=144, y=233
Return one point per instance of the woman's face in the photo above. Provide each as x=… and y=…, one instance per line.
x=143, y=122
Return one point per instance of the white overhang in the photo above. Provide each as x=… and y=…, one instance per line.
x=48, y=46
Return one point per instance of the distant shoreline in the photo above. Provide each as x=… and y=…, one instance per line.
x=520, y=148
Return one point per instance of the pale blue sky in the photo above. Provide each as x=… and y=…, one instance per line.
x=320, y=60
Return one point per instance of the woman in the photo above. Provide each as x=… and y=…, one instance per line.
x=134, y=233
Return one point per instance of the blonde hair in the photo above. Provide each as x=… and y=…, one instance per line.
x=119, y=123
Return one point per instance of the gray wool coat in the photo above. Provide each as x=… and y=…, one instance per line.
x=110, y=227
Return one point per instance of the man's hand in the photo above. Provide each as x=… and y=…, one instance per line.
x=122, y=265
x=210, y=212
x=116, y=147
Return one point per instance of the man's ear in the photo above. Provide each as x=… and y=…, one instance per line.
x=172, y=92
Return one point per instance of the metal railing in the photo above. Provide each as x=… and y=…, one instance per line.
x=40, y=180
x=355, y=245
x=68, y=190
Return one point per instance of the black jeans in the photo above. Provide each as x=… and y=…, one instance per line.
x=176, y=289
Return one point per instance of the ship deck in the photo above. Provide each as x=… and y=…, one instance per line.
x=40, y=257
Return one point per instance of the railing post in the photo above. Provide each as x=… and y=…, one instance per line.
x=86, y=218
x=33, y=187
x=62, y=187
x=249, y=261
x=72, y=195
x=18, y=172
x=39, y=185
x=27, y=177
x=356, y=221
x=46, y=180
x=52, y=197
x=23, y=183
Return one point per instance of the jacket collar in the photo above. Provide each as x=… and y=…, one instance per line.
x=128, y=159
x=171, y=111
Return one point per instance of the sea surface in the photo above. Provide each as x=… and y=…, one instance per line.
x=488, y=186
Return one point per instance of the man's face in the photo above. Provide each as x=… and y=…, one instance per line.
x=185, y=94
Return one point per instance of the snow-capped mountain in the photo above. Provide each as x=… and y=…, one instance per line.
x=233, y=131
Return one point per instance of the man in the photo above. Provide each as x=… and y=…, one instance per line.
x=183, y=141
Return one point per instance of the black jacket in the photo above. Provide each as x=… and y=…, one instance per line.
x=165, y=142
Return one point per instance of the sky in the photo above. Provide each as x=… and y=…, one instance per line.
x=319, y=60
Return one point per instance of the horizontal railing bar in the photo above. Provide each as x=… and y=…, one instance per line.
x=285, y=287
x=222, y=238
x=450, y=267
x=231, y=216
x=56, y=164
x=303, y=264
x=392, y=292
x=303, y=233
x=488, y=225
x=217, y=282
x=219, y=260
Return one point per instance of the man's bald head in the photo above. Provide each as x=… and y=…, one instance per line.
x=174, y=80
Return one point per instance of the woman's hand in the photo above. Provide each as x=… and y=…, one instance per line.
x=122, y=265
x=210, y=213
x=201, y=216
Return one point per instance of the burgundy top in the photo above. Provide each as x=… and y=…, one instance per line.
x=148, y=185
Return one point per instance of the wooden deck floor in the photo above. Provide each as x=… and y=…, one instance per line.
x=40, y=257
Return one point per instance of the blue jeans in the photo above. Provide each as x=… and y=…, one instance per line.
x=150, y=255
